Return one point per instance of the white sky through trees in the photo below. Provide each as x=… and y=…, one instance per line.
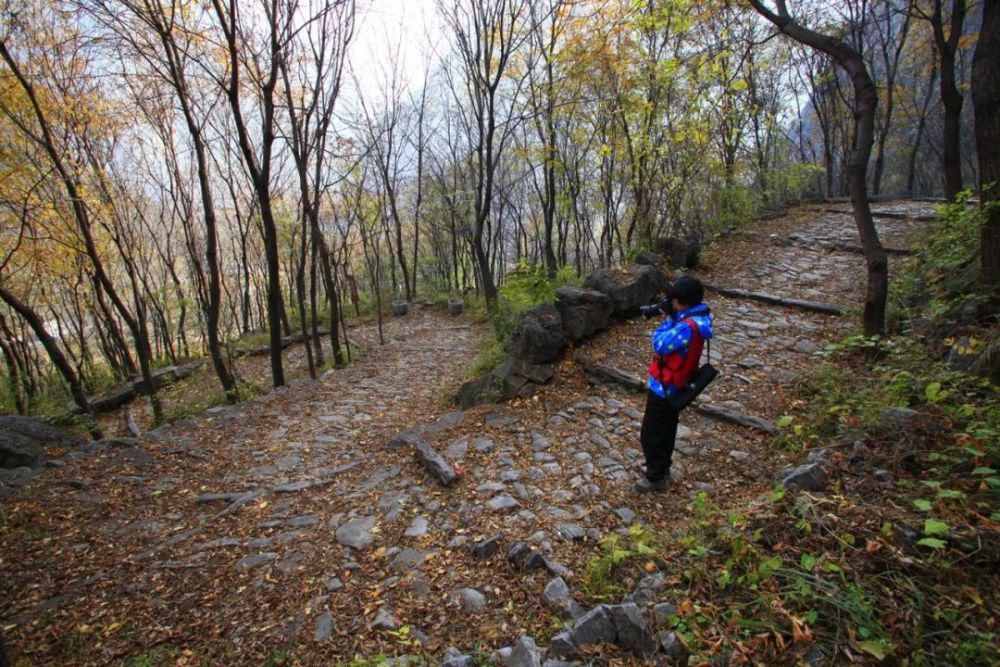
x=409, y=29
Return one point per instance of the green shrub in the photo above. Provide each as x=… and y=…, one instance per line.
x=790, y=184
x=525, y=287
x=731, y=207
x=942, y=276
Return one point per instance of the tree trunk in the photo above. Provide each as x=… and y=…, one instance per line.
x=985, y=103
x=951, y=97
x=865, y=102
x=55, y=354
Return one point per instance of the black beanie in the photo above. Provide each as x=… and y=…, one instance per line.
x=688, y=290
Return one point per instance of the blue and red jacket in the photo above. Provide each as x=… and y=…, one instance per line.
x=677, y=349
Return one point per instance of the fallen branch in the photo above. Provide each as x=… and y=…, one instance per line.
x=130, y=390
x=734, y=417
x=811, y=306
x=602, y=373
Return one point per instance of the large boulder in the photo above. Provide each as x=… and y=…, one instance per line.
x=627, y=293
x=512, y=378
x=538, y=336
x=680, y=252
x=23, y=441
x=584, y=312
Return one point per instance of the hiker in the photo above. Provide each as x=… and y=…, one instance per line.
x=677, y=345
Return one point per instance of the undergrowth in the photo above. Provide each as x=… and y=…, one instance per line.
x=896, y=561
x=524, y=288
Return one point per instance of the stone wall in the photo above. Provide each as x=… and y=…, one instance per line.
x=543, y=333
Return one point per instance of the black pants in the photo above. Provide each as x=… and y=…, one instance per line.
x=659, y=429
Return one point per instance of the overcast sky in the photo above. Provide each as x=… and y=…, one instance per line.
x=384, y=27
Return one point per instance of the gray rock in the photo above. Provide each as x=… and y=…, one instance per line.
x=584, y=312
x=646, y=590
x=323, y=628
x=17, y=477
x=632, y=631
x=525, y=557
x=334, y=584
x=482, y=445
x=818, y=455
x=408, y=560
x=539, y=442
x=471, y=600
x=899, y=419
x=643, y=286
x=557, y=596
x=662, y=612
x=19, y=451
x=135, y=456
x=486, y=548
x=883, y=476
x=256, y=560
x=538, y=336
x=570, y=531
x=303, y=521
x=562, y=644
x=626, y=515
x=458, y=448
x=494, y=420
x=672, y=647
x=503, y=503
x=408, y=438
x=417, y=528
x=356, y=533
x=436, y=464
x=221, y=543
x=806, y=346
x=808, y=477
x=461, y=660
x=292, y=560
x=680, y=252
x=737, y=455
x=524, y=653
x=648, y=258
x=594, y=627
x=38, y=430
x=385, y=620
x=557, y=568
x=294, y=487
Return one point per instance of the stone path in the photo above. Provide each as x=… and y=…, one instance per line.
x=290, y=521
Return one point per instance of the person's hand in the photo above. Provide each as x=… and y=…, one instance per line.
x=651, y=310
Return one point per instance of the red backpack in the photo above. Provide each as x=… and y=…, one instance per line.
x=673, y=369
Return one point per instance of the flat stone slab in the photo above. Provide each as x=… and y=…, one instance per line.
x=256, y=560
x=503, y=503
x=417, y=528
x=323, y=627
x=408, y=560
x=356, y=533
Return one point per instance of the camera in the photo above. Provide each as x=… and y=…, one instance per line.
x=665, y=307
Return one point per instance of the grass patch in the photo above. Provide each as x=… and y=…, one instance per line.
x=526, y=287
x=897, y=562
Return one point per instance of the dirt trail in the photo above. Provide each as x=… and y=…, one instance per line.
x=318, y=531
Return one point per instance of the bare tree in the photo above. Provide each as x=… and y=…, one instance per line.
x=985, y=101
x=488, y=33
x=256, y=67
x=865, y=102
x=946, y=46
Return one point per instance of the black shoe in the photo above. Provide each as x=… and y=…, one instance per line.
x=646, y=485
